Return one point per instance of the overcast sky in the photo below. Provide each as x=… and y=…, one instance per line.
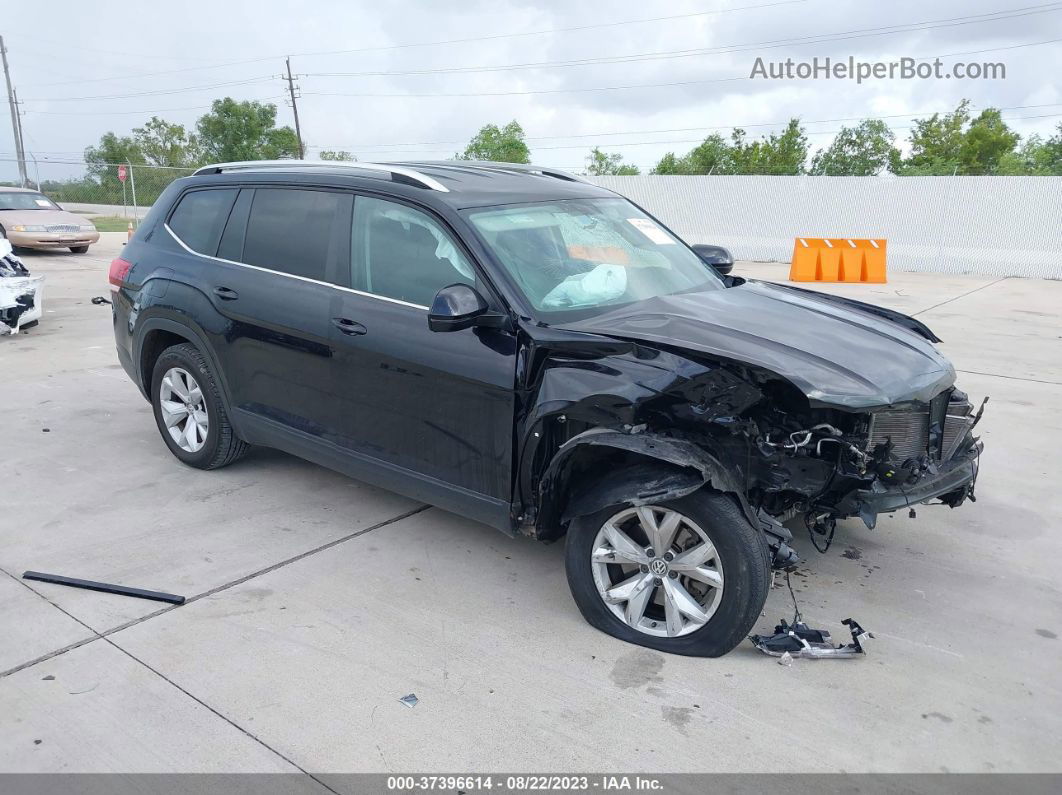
x=66, y=56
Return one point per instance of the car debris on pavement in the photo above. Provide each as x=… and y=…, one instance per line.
x=800, y=640
x=20, y=292
x=104, y=587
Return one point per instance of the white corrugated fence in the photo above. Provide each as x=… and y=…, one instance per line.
x=1008, y=226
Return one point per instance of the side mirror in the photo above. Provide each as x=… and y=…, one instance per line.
x=456, y=307
x=716, y=256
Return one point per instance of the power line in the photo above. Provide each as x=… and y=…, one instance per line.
x=636, y=57
x=161, y=91
x=535, y=91
x=428, y=43
x=728, y=48
x=423, y=152
x=378, y=146
x=136, y=112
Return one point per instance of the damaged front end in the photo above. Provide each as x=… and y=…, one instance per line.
x=610, y=421
x=20, y=292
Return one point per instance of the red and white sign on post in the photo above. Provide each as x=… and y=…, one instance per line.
x=121, y=173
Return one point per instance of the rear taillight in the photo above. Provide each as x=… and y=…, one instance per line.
x=119, y=270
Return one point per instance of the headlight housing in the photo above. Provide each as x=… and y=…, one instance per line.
x=27, y=228
x=87, y=228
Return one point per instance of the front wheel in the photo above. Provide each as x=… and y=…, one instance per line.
x=78, y=249
x=686, y=576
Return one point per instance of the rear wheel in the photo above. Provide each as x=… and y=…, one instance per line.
x=189, y=411
x=78, y=249
x=685, y=576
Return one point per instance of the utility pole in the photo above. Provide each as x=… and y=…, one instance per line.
x=294, y=107
x=18, y=129
x=19, y=154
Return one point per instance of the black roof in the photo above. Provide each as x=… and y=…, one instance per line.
x=467, y=183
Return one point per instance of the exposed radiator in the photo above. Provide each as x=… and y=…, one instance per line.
x=907, y=429
x=956, y=423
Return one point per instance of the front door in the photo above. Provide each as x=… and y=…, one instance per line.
x=437, y=407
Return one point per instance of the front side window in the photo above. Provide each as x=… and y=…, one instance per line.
x=587, y=255
x=296, y=231
x=402, y=253
x=199, y=218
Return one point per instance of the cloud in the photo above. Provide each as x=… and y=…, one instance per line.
x=51, y=68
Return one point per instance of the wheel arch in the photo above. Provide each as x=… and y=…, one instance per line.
x=156, y=334
x=653, y=467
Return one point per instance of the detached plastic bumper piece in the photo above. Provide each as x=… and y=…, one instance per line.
x=800, y=640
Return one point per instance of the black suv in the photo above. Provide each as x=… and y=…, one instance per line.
x=531, y=351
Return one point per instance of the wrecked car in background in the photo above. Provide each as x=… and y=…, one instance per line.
x=515, y=345
x=20, y=293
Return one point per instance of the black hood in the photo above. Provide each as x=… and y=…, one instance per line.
x=837, y=354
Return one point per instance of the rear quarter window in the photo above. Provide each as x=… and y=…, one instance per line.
x=200, y=216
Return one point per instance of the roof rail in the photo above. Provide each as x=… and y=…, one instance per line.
x=519, y=168
x=407, y=175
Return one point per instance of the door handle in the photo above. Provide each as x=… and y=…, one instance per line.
x=225, y=294
x=347, y=326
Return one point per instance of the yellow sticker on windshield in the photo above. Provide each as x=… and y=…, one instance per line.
x=651, y=231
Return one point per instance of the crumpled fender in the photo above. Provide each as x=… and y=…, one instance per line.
x=686, y=468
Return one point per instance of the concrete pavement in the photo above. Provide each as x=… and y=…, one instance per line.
x=316, y=601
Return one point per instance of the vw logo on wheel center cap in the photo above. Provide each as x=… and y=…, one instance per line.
x=658, y=567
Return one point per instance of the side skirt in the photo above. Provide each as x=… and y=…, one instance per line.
x=259, y=430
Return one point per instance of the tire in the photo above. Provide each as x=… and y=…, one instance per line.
x=732, y=608
x=219, y=446
x=78, y=249
x=31, y=324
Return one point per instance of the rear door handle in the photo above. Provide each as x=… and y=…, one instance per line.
x=347, y=326
x=225, y=294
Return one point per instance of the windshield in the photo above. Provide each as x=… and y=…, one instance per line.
x=585, y=255
x=26, y=201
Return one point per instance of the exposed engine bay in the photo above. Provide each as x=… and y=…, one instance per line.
x=784, y=452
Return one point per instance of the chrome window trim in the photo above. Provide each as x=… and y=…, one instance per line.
x=190, y=250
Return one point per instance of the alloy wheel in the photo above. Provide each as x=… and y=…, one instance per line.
x=657, y=571
x=184, y=410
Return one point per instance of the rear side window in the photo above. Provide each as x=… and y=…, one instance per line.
x=199, y=218
x=297, y=231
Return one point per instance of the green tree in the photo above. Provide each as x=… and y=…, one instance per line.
x=113, y=149
x=936, y=143
x=861, y=151
x=244, y=131
x=712, y=156
x=1051, y=157
x=600, y=164
x=670, y=164
x=777, y=154
x=166, y=144
x=102, y=181
x=341, y=155
x=986, y=141
x=505, y=145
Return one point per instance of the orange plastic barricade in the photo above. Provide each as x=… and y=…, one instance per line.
x=820, y=259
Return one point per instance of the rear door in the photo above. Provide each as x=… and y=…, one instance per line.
x=438, y=405
x=278, y=258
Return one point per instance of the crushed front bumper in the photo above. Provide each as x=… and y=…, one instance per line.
x=953, y=481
